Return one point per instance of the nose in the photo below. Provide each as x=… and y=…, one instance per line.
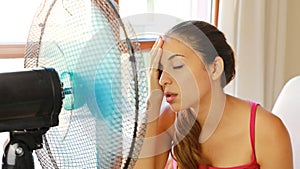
x=165, y=79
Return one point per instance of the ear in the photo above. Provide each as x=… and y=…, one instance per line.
x=217, y=68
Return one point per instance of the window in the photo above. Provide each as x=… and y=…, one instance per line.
x=15, y=17
x=182, y=9
x=148, y=18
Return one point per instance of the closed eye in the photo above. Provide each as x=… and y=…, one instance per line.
x=178, y=67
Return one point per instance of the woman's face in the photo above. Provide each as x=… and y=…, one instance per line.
x=184, y=77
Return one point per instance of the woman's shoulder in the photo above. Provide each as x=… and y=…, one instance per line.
x=271, y=137
x=265, y=121
x=268, y=124
x=268, y=118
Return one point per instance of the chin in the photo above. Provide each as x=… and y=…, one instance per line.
x=173, y=107
x=176, y=108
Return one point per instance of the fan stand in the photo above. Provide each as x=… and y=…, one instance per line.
x=18, y=151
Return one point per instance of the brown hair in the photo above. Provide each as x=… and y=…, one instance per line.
x=187, y=150
x=207, y=40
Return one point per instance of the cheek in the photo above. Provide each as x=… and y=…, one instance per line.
x=189, y=89
x=204, y=84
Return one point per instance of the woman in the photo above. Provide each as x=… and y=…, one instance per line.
x=202, y=127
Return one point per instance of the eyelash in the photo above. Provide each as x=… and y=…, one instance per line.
x=177, y=67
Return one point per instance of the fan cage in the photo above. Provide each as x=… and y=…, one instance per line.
x=87, y=40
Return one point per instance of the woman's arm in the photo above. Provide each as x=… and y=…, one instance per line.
x=156, y=151
x=148, y=154
x=146, y=159
x=166, y=132
x=273, y=145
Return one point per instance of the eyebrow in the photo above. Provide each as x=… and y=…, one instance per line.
x=172, y=56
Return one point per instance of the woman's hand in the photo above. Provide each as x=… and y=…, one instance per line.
x=155, y=89
x=154, y=73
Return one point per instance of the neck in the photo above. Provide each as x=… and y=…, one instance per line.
x=210, y=112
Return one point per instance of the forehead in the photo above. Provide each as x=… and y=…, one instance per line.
x=174, y=46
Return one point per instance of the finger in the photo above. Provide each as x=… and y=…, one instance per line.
x=156, y=42
x=154, y=52
x=160, y=42
x=156, y=45
x=155, y=59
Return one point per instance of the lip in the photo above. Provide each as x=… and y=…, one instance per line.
x=170, y=96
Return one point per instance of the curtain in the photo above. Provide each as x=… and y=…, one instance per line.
x=256, y=30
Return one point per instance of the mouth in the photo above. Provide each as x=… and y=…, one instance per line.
x=170, y=97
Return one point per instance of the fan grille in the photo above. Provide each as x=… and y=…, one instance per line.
x=83, y=41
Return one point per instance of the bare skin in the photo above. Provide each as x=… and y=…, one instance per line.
x=229, y=145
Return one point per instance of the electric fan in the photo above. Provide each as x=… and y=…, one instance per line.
x=102, y=122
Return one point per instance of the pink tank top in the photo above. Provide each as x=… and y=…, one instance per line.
x=253, y=164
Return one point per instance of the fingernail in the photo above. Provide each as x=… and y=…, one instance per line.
x=158, y=39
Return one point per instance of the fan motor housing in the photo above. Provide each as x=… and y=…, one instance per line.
x=30, y=99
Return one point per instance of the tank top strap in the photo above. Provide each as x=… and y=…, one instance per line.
x=252, y=127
